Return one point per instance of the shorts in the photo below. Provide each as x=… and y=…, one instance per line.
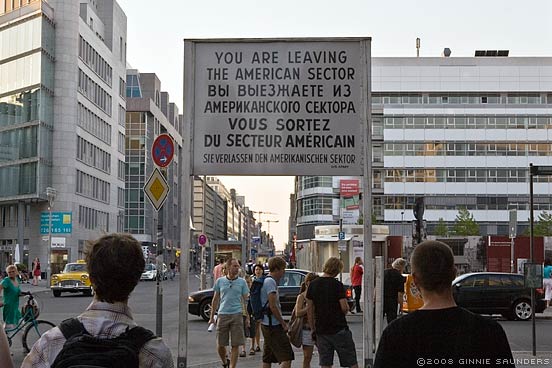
x=342, y=342
x=249, y=332
x=276, y=348
x=230, y=326
x=307, y=338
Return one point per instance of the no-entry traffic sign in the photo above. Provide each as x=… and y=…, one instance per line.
x=162, y=150
x=202, y=239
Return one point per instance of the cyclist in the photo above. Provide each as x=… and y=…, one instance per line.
x=10, y=286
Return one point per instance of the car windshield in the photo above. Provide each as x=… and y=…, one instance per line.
x=75, y=267
x=150, y=267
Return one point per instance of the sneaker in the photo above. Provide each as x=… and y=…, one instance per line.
x=243, y=354
x=258, y=348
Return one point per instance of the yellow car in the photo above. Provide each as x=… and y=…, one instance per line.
x=73, y=279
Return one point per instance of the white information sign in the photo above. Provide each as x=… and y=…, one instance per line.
x=279, y=107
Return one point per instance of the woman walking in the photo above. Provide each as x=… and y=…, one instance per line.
x=11, y=288
x=258, y=272
x=36, y=271
x=547, y=281
x=356, y=282
x=301, y=312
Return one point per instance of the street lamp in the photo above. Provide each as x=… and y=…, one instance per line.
x=51, y=193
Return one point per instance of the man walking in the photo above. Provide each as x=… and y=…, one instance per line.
x=393, y=289
x=230, y=298
x=277, y=348
x=115, y=263
x=440, y=331
x=327, y=307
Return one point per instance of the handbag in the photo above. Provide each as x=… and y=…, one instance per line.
x=295, y=331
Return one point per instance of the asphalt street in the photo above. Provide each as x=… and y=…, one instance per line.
x=201, y=344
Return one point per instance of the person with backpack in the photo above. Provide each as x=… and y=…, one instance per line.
x=276, y=348
x=228, y=302
x=105, y=334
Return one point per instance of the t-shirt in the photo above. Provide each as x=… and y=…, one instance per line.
x=325, y=293
x=547, y=272
x=393, y=283
x=454, y=334
x=356, y=276
x=270, y=286
x=231, y=292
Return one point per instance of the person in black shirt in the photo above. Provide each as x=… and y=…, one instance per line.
x=327, y=307
x=441, y=333
x=393, y=289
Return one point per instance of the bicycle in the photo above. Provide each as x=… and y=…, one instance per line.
x=33, y=328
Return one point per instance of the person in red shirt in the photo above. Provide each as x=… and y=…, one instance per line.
x=356, y=281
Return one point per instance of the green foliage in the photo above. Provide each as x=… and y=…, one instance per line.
x=360, y=220
x=543, y=225
x=442, y=229
x=465, y=224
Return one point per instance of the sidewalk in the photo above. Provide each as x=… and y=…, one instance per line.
x=41, y=287
x=522, y=359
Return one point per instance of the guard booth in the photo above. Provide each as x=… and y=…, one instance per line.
x=227, y=249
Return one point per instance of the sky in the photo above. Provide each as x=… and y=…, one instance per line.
x=156, y=29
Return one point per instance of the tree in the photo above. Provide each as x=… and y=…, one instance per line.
x=360, y=220
x=465, y=224
x=442, y=229
x=543, y=225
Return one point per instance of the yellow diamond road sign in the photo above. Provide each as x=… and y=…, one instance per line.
x=156, y=189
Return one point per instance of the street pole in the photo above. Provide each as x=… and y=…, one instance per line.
x=531, y=253
x=339, y=243
x=51, y=194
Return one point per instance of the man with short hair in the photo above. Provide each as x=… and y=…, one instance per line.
x=326, y=309
x=441, y=331
x=115, y=263
x=230, y=298
x=393, y=289
x=277, y=348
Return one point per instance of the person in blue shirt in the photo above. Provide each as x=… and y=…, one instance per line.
x=229, y=300
x=547, y=281
x=276, y=348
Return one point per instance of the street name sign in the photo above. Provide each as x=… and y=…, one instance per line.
x=156, y=189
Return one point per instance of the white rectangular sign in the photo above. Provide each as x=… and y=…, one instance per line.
x=279, y=107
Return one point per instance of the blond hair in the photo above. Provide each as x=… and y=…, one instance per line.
x=333, y=266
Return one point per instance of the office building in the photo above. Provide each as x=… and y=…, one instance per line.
x=459, y=132
x=149, y=113
x=62, y=103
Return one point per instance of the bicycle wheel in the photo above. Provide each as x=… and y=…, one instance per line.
x=33, y=331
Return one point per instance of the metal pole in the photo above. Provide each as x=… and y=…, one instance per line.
x=186, y=209
x=531, y=255
x=339, y=241
x=159, y=276
x=366, y=128
x=49, y=247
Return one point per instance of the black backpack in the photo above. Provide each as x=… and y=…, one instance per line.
x=84, y=350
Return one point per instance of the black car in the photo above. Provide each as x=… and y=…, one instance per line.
x=199, y=302
x=497, y=293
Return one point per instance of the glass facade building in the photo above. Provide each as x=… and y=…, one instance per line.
x=26, y=106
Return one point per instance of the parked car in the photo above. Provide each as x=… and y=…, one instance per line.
x=150, y=272
x=199, y=302
x=497, y=293
x=73, y=279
